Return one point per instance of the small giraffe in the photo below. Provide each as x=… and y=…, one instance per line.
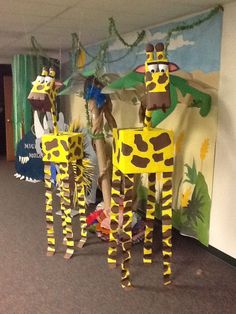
x=66, y=150
x=144, y=150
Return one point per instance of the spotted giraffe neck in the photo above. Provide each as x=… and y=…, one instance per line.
x=147, y=120
x=54, y=119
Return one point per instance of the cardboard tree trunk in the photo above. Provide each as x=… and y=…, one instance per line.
x=104, y=176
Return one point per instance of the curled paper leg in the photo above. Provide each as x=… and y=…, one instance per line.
x=48, y=208
x=150, y=211
x=126, y=240
x=167, y=225
x=81, y=204
x=66, y=208
x=115, y=197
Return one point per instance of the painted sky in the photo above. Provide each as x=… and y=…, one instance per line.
x=195, y=49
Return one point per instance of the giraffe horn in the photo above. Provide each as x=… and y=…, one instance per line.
x=39, y=131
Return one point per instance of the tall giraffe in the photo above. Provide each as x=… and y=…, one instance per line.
x=66, y=150
x=144, y=150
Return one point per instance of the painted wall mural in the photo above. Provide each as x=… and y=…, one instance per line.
x=193, y=118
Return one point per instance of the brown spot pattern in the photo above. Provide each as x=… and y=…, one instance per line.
x=166, y=198
x=162, y=78
x=157, y=157
x=114, y=145
x=140, y=143
x=64, y=145
x=148, y=76
x=126, y=149
x=51, y=144
x=161, y=141
x=167, y=185
x=151, y=86
x=167, y=174
x=152, y=177
x=118, y=156
x=169, y=162
x=56, y=153
x=140, y=161
x=77, y=151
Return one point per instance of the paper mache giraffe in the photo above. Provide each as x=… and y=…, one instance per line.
x=66, y=150
x=144, y=150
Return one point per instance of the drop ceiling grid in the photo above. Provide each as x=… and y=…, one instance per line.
x=52, y=21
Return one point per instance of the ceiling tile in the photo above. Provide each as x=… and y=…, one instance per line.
x=31, y=8
x=53, y=21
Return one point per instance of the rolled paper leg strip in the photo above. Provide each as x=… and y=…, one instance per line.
x=127, y=231
x=82, y=205
x=63, y=216
x=66, y=208
x=114, y=216
x=150, y=211
x=49, y=209
x=167, y=226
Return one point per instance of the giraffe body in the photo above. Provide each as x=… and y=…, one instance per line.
x=144, y=150
x=66, y=150
x=64, y=147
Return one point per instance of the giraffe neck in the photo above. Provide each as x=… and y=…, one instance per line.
x=54, y=119
x=148, y=119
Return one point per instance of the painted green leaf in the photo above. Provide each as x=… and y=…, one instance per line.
x=200, y=100
x=191, y=173
x=195, y=218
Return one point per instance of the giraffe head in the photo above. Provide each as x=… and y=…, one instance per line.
x=157, y=78
x=44, y=91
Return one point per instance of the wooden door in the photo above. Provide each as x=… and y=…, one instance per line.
x=7, y=81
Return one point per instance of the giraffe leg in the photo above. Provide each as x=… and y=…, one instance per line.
x=126, y=240
x=65, y=175
x=63, y=217
x=114, y=217
x=166, y=201
x=48, y=208
x=81, y=204
x=150, y=211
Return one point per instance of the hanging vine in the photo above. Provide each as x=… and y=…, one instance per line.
x=101, y=58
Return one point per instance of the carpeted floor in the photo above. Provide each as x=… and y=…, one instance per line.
x=31, y=282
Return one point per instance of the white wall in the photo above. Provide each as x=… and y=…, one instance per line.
x=223, y=211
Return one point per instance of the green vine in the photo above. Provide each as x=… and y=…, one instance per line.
x=101, y=58
x=182, y=27
x=96, y=136
x=87, y=115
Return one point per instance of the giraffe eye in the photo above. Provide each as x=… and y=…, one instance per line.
x=48, y=79
x=162, y=67
x=40, y=79
x=152, y=68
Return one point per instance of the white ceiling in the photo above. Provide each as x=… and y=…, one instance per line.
x=53, y=21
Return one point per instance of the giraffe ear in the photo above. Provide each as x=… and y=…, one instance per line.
x=173, y=67
x=140, y=69
x=58, y=84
